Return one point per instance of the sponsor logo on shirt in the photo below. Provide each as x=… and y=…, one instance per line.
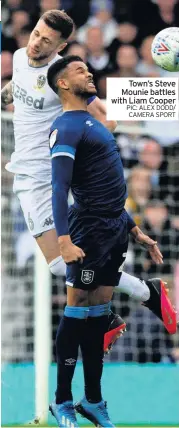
x=22, y=95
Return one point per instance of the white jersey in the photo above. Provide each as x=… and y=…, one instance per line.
x=36, y=106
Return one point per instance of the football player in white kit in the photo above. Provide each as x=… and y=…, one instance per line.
x=35, y=108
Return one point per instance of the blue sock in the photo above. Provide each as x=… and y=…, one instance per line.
x=67, y=343
x=80, y=312
x=91, y=344
x=100, y=310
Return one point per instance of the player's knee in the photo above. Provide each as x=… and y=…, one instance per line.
x=58, y=267
x=141, y=291
x=134, y=287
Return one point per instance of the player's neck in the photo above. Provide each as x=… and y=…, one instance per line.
x=74, y=104
x=41, y=63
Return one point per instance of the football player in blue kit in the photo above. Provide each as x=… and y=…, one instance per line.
x=93, y=239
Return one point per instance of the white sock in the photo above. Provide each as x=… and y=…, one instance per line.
x=134, y=287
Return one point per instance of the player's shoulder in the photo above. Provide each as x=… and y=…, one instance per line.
x=57, y=128
x=56, y=123
x=20, y=53
x=68, y=127
x=54, y=59
x=71, y=121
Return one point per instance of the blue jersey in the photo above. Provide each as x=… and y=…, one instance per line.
x=86, y=158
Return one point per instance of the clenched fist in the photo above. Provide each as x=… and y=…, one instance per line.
x=70, y=252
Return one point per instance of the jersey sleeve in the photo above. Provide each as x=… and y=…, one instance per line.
x=62, y=170
x=91, y=99
x=18, y=54
x=130, y=222
x=64, y=143
x=15, y=58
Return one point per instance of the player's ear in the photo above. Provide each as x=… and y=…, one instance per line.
x=62, y=84
x=61, y=47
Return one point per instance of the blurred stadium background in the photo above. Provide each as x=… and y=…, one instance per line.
x=140, y=374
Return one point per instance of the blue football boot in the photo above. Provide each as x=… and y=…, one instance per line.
x=64, y=414
x=96, y=413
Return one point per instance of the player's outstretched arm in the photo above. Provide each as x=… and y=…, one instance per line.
x=98, y=110
x=148, y=244
x=6, y=94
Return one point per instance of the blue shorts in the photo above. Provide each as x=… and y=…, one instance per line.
x=104, y=241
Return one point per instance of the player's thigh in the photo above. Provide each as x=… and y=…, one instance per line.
x=35, y=198
x=77, y=297
x=118, y=257
x=101, y=295
x=48, y=244
x=109, y=274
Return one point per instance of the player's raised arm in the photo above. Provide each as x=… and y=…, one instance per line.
x=6, y=94
x=98, y=110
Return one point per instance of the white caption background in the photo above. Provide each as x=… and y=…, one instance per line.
x=141, y=98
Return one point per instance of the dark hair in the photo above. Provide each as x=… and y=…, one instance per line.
x=57, y=67
x=59, y=21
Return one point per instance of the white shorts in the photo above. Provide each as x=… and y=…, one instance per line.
x=35, y=198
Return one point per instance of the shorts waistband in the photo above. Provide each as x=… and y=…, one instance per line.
x=107, y=214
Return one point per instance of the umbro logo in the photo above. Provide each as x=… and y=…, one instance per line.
x=70, y=362
x=89, y=123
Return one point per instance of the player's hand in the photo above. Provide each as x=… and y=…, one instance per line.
x=70, y=252
x=146, y=242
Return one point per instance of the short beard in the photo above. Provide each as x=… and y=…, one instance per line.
x=38, y=58
x=83, y=94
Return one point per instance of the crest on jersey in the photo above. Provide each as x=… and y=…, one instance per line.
x=30, y=222
x=53, y=138
x=41, y=80
x=87, y=276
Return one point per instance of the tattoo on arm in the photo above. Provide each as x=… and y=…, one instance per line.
x=6, y=94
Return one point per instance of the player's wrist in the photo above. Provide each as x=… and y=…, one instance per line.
x=135, y=231
x=64, y=240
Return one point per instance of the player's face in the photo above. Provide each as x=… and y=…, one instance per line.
x=80, y=80
x=44, y=42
